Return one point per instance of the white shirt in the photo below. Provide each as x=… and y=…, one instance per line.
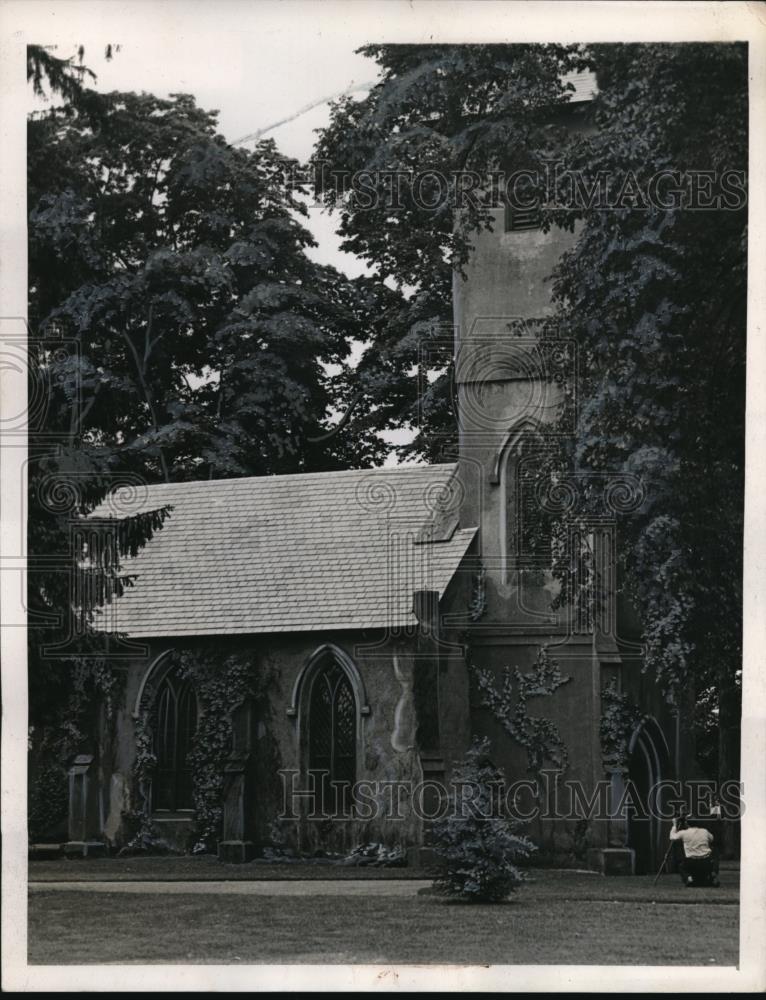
x=697, y=842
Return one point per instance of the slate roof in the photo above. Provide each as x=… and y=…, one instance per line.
x=309, y=552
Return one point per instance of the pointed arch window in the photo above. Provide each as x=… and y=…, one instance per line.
x=527, y=521
x=175, y=724
x=332, y=737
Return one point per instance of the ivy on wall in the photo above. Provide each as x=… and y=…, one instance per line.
x=538, y=736
x=620, y=717
x=221, y=680
x=220, y=683
x=477, y=607
x=142, y=833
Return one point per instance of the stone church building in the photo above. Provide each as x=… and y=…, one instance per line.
x=367, y=598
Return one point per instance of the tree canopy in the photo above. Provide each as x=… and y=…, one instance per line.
x=655, y=297
x=179, y=266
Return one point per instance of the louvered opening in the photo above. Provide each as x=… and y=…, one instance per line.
x=521, y=219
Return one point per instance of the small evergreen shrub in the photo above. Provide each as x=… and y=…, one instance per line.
x=477, y=842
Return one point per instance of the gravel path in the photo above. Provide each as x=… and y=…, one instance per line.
x=309, y=887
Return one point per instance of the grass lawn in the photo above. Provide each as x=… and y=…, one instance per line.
x=555, y=921
x=201, y=868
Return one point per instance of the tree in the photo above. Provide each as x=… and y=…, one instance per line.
x=70, y=573
x=64, y=483
x=655, y=298
x=479, y=845
x=178, y=265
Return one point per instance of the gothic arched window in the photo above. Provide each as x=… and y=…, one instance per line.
x=527, y=532
x=332, y=737
x=175, y=723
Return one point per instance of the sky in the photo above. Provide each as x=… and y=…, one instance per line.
x=256, y=63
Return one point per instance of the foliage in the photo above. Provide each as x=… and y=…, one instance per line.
x=64, y=77
x=74, y=571
x=64, y=485
x=705, y=726
x=221, y=682
x=619, y=719
x=479, y=845
x=437, y=108
x=47, y=801
x=89, y=685
x=580, y=841
x=279, y=847
x=177, y=266
x=477, y=607
x=656, y=300
x=538, y=736
x=141, y=832
x=376, y=855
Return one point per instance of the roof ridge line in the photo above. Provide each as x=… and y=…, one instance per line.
x=300, y=475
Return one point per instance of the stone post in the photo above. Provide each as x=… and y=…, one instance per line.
x=616, y=858
x=618, y=821
x=236, y=847
x=85, y=835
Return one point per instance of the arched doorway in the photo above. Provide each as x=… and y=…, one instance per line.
x=648, y=765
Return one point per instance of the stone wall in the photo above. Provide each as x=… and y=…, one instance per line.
x=387, y=749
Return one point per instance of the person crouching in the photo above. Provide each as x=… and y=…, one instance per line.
x=698, y=865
